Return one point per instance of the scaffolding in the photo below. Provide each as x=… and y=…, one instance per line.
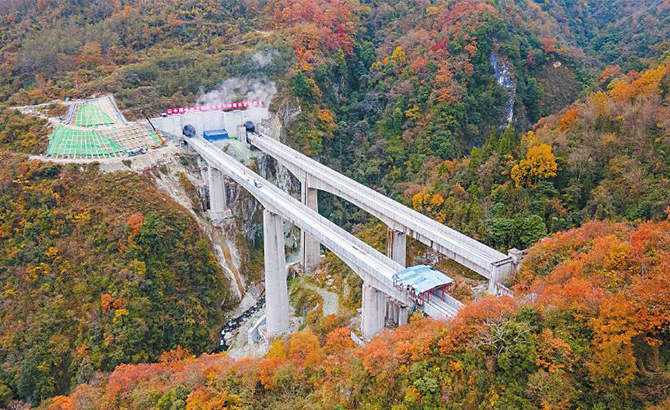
x=133, y=136
x=96, y=128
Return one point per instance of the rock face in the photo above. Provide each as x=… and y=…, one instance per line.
x=181, y=166
x=504, y=78
x=183, y=176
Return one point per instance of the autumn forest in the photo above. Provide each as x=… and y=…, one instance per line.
x=539, y=125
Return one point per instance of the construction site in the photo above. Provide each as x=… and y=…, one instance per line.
x=95, y=128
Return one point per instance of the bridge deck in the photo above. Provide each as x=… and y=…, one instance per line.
x=367, y=262
x=465, y=250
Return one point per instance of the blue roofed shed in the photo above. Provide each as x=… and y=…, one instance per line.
x=215, y=135
x=420, y=280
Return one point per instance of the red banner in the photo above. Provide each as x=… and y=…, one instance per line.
x=215, y=107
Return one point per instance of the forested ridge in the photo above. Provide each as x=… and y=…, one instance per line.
x=97, y=270
x=410, y=104
x=509, y=120
x=604, y=157
x=588, y=329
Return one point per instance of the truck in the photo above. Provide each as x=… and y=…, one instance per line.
x=136, y=151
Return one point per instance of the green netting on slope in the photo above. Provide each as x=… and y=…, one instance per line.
x=90, y=115
x=65, y=141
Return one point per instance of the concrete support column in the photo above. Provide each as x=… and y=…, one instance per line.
x=242, y=133
x=492, y=282
x=310, y=247
x=276, y=292
x=217, y=195
x=396, y=246
x=403, y=316
x=390, y=310
x=395, y=312
x=374, y=310
x=497, y=275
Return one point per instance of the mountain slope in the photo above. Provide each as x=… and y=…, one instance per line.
x=428, y=101
x=604, y=157
x=97, y=270
x=595, y=336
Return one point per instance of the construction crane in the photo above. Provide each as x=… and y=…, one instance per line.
x=154, y=128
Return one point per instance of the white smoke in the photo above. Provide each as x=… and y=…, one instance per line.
x=263, y=58
x=236, y=89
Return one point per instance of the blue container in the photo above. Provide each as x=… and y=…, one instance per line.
x=215, y=135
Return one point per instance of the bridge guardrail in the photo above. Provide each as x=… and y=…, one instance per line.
x=365, y=260
x=478, y=254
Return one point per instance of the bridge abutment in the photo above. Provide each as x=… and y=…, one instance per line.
x=396, y=246
x=310, y=247
x=374, y=311
x=218, y=204
x=501, y=272
x=276, y=292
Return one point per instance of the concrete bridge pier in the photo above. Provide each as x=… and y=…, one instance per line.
x=276, y=292
x=218, y=204
x=403, y=316
x=396, y=313
x=374, y=311
x=396, y=246
x=310, y=247
x=400, y=314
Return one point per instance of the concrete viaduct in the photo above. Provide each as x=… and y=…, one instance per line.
x=380, y=298
x=400, y=220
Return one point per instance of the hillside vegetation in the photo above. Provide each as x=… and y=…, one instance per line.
x=402, y=96
x=605, y=157
x=591, y=332
x=509, y=120
x=149, y=54
x=23, y=133
x=97, y=270
x=623, y=32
